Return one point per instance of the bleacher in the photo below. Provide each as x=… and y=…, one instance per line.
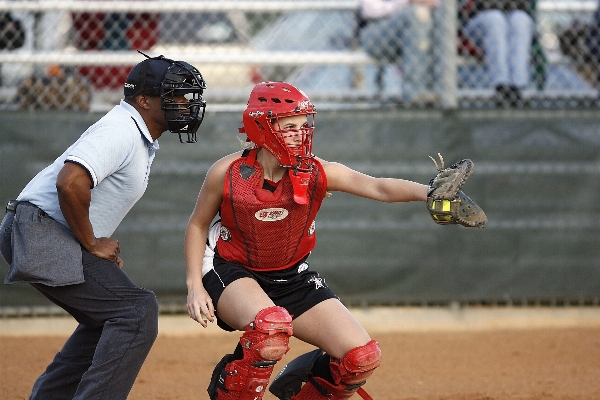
x=376, y=85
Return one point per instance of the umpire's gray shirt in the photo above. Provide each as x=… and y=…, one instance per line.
x=117, y=151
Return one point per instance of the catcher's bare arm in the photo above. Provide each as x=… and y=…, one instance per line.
x=344, y=179
x=447, y=203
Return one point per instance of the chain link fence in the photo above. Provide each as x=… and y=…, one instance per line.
x=58, y=54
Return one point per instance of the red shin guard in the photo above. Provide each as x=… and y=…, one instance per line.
x=263, y=343
x=349, y=374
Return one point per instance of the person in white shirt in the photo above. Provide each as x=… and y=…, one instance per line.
x=58, y=234
x=400, y=31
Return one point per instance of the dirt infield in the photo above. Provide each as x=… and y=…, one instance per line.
x=463, y=357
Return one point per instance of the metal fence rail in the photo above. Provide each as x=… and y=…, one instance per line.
x=190, y=6
x=237, y=43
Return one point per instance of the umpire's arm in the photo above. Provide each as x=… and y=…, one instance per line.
x=74, y=187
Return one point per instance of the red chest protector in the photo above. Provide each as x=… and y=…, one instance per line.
x=266, y=230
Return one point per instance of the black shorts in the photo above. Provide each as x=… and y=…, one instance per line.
x=297, y=289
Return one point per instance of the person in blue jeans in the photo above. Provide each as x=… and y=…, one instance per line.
x=503, y=30
x=57, y=234
x=401, y=31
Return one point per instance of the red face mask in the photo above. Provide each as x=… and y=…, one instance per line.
x=268, y=102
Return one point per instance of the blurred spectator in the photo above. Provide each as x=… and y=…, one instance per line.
x=53, y=29
x=504, y=31
x=113, y=31
x=16, y=35
x=25, y=32
x=400, y=31
x=581, y=42
x=55, y=90
x=12, y=33
x=593, y=39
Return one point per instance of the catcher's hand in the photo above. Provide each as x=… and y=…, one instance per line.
x=446, y=202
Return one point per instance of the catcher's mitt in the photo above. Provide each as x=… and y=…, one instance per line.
x=446, y=202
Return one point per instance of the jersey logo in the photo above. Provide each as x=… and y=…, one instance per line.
x=317, y=281
x=271, y=214
x=225, y=234
x=311, y=228
x=302, y=267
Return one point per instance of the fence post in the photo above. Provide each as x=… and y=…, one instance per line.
x=446, y=53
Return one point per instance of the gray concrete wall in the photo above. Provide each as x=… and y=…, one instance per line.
x=537, y=176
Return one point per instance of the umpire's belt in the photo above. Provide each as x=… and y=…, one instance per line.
x=12, y=205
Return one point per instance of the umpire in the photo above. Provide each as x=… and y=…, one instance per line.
x=56, y=235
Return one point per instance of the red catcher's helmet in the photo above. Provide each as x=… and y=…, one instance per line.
x=268, y=102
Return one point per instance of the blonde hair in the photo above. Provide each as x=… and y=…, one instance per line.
x=246, y=144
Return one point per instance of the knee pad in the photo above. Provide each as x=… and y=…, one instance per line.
x=357, y=365
x=267, y=338
x=346, y=376
x=263, y=343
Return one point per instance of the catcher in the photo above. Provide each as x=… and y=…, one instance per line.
x=250, y=270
